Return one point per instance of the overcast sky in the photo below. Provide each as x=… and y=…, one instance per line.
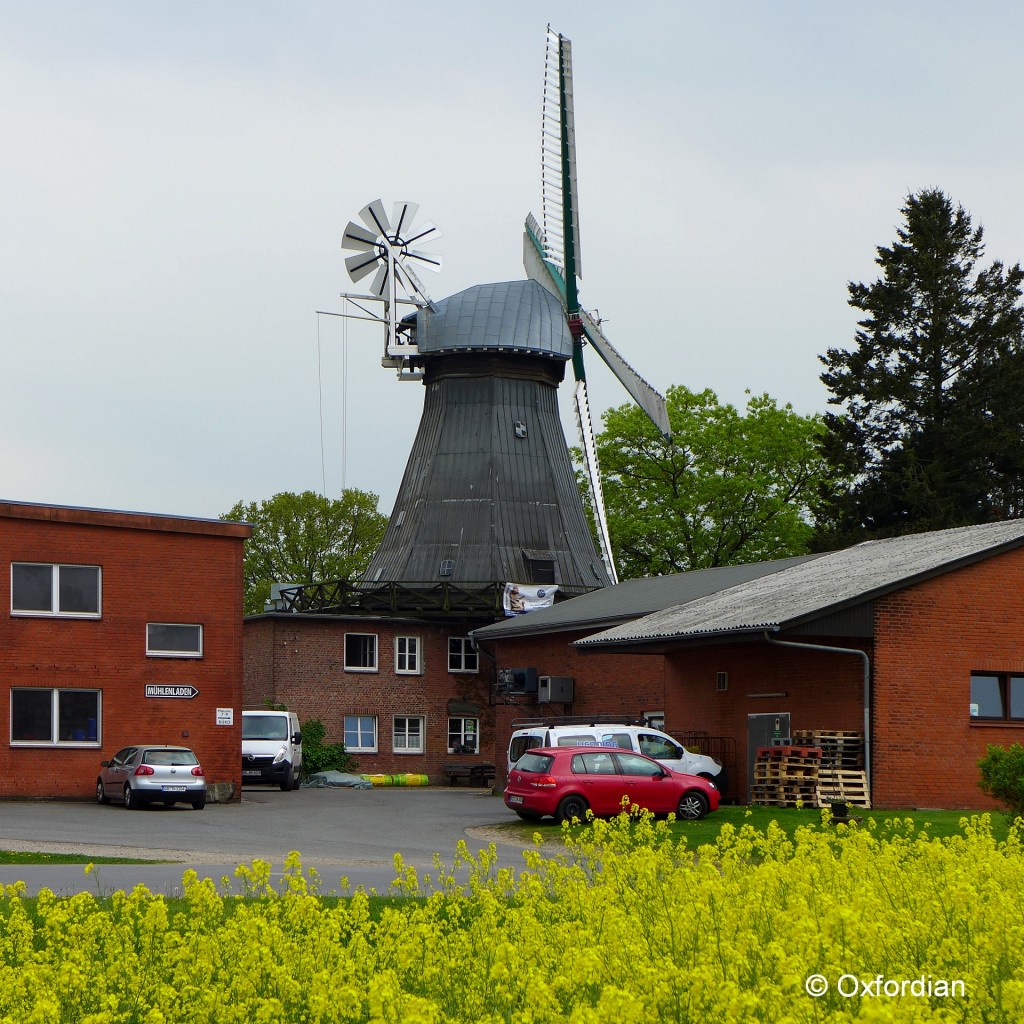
x=176, y=176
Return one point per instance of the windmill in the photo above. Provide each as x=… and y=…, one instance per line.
x=489, y=493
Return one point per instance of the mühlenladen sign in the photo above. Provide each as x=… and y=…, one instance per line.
x=160, y=690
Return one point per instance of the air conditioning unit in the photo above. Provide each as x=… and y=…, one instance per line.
x=517, y=680
x=555, y=689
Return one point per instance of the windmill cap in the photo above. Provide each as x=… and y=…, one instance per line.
x=508, y=315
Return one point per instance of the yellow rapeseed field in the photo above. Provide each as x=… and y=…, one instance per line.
x=874, y=923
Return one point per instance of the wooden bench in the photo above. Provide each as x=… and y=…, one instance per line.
x=478, y=774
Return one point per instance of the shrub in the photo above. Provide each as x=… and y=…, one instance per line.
x=318, y=756
x=1002, y=776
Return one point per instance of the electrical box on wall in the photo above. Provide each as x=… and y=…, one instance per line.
x=517, y=680
x=555, y=689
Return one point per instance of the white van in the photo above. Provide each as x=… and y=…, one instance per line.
x=639, y=738
x=271, y=748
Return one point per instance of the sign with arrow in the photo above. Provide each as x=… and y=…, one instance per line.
x=164, y=690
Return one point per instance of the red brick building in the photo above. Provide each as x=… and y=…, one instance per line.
x=405, y=696
x=109, y=613
x=918, y=642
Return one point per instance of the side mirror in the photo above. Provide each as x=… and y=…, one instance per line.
x=296, y=737
x=104, y=764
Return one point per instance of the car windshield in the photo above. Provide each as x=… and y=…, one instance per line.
x=169, y=757
x=264, y=727
x=531, y=762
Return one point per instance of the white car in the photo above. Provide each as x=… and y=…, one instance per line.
x=152, y=774
x=641, y=739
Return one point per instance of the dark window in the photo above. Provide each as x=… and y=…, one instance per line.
x=42, y=715
x=40, y=589
x=593, y=763
x=997, y=695
x=462, y=656
x=360, y=652
x=170, y=640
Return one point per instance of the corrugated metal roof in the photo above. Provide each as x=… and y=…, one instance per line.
x=632, y=598
x=816, y=586
x=509, y=315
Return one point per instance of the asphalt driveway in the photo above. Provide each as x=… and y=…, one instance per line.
x=342, y=832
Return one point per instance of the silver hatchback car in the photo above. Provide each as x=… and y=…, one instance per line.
x=150, y=774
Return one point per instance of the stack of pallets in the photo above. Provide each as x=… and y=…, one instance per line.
x=838, y=748
x=786, y=776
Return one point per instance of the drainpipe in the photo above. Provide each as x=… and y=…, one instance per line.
x=867, y=687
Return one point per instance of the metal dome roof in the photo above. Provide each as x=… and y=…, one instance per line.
x=509, y=315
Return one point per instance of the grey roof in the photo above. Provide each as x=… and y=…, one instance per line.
x=811, y=588
x=509, y=315
x=631, y=599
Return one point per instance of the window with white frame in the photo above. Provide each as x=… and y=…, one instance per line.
x=360, y=652
x=44, y=589
x=407, y=655
x=361, y=734
x=463, y=735
x=41, y=715
x=462, y=656
x=408, y=734
x=173, y=640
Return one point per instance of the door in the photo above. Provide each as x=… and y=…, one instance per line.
x=764, y=731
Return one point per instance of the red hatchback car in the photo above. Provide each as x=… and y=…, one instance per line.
x=566, y=782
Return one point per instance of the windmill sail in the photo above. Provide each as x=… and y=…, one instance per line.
x=551, y=257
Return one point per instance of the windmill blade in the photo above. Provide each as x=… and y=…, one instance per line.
x=428, y=232
x=375, y=218
x=585, y=427
x=357, y=237
x=402, y=216
x=642, y=393
x=424, y=260
x=538, y=268
x=360, y=266
x=380, y=283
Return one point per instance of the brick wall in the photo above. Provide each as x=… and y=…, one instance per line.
x=154, y=569
x=930, y=638
x=299, y=661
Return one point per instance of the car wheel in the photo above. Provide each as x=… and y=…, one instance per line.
x=693, y=806
x=529, y=815
x=295, y=781
x=199, y=803
x=571, y=807
x=131, y=800
x=101, y=793
x=286, y=782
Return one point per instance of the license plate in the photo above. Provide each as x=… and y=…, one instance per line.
x=515, y=799
x=251, y=773
x=173, y=789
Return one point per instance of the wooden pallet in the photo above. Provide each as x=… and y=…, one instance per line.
x=843, y=749
x=843, y=785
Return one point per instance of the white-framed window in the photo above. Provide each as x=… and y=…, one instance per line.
x=173, y=640
x=462, y=656
x=408, y=661
x=463, y=735
x=655, y=719
x=55, y=717
x=361, y=734
x=408, y=734
x=40, y=588
x=360, y=652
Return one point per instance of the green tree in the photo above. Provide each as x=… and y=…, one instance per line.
x=730, y=486
x=306, y=538
x=932, y=390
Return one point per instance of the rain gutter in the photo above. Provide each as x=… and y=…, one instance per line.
x=867, y=686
